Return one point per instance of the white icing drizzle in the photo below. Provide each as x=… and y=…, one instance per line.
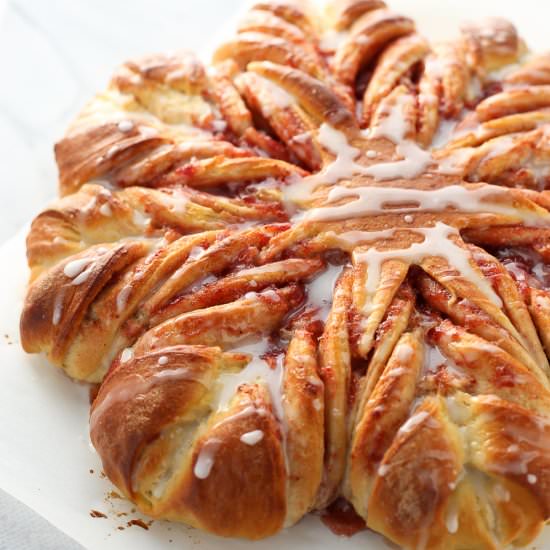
x=206, y=457
x=125, y=125
x=163, y=360
x=304, y=137
x=243, y=413
x=174, y=203
x=253, y=437
x=321, y=289
x=112, y=151
x=451, y=519
x=501, y=146
x=403, y=353
x=458, y=412
x=454, y=484
x=219, y=125
x=83, y=277
x=75, y=267
x=436, y=243
x=90, y=205
x=472, y=355
x=518, y=465
x=414, y=160
x=414, y=421
x=376, y=200
x=105, y=210
x=433, y=358
x=122, y=298
x=270, y=293
x=79, y=270
x=257, y=371
x=343, y=166
x=354, y=238
x=140, y=219
x=126, y=355
x=58, y=308
x=195, y=253
x=148, y=132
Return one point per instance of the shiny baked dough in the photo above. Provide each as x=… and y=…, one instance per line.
x=317, y=268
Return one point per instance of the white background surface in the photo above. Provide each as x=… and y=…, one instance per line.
x=53, y=55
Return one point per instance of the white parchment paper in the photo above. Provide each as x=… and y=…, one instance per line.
x=45, y=457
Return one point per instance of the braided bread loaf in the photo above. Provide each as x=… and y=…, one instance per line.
x=316, y=269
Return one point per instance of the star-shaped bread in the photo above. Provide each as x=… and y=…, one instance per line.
x=315, y=269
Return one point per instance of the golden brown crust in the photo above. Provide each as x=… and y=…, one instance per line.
x=368, y=35
x=536, y=71
x=347, y=12
x=317, y=269
x=492, y=43
x=314, y=97
x=396, y=60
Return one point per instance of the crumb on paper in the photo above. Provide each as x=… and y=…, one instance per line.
x=118, y=508
x=140, y=523
x=97, y=514
x=91, y=470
